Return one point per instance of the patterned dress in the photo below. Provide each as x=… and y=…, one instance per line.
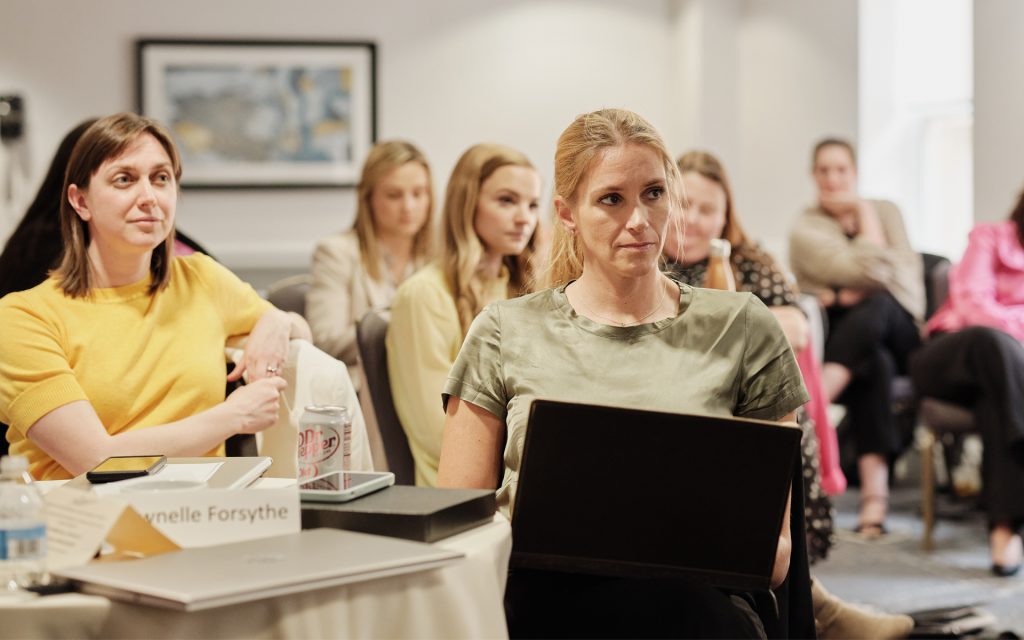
x=758, y=273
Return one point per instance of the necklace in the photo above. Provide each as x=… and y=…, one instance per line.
x=591, y=312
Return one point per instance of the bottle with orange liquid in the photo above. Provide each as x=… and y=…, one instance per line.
x=720, y=275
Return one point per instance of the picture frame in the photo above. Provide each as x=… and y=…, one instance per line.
x=262, y=113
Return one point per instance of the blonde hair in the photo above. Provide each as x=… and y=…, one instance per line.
x=463, y=249
x=107, y=138
x=384, y=158
x=576, y=151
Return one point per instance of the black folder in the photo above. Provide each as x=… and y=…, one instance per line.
x=414, y=513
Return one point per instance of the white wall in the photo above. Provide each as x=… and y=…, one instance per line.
x=704, y=68
x=998, y=107
x=754, y=80
x=450, y=73
x=916, y=116
x=797, y=83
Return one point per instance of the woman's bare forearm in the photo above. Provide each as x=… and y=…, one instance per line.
x=74, y=437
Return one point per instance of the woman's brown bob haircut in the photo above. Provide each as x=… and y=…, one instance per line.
x=104, y=140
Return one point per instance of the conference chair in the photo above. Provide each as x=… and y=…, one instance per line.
x=371, y=332
x=289, y=294
x=942, y=423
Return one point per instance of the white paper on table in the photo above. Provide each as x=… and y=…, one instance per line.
x=171, y=472
x=77, y=523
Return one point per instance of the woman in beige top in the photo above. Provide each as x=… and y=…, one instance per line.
x=359, y=270
x=854, y=255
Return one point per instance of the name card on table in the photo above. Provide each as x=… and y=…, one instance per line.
x=209, y=517
x=78, y=523
x=143, y=523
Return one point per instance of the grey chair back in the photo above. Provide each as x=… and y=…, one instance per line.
x=817, y=321
x=936, y=282
x=371, y=332
x=289, y=294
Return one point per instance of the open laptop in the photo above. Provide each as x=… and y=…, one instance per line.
x=625, y=492
x=207, y=577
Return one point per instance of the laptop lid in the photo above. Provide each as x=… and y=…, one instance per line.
x=625, y=492
x=207, y=577
x=232, y=472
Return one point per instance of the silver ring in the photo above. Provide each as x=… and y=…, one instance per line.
x=272, y=370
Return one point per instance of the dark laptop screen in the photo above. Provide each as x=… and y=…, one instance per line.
x=627, y=492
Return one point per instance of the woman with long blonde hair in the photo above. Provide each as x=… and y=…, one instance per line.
x=614, y=330
x=489, y=219
x=359, y=270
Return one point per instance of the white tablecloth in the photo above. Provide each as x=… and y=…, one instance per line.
x=462, y=600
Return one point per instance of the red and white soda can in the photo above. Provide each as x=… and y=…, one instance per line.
x=325, y=441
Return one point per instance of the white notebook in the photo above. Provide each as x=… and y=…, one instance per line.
x=208, y=577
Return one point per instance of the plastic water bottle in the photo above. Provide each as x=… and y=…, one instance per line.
x=22, y=527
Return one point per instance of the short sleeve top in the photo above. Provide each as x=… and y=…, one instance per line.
x=722, y=354
x=139, y=359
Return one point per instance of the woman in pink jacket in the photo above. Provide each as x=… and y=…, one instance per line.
x=975, y=357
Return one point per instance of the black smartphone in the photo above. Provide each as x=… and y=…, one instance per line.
x=124, y=467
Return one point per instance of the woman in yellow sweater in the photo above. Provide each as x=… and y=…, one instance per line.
x=490, y=215
x=121, y=350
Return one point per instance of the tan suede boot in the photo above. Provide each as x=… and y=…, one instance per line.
x=838, y=620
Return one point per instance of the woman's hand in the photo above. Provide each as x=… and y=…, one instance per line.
x=266, y=349
x=848, y=296
x=794, y=326
x=846, y=209
x=255, y=405
x=869, y=227
x=827, y=297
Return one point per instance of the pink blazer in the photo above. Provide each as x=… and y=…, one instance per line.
x=987, y=287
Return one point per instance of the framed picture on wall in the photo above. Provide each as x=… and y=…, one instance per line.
x=262, y=113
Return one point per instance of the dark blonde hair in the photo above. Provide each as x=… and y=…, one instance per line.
x=107, y=138
x=577, y=148
x=463, y=249
x=384, y=158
